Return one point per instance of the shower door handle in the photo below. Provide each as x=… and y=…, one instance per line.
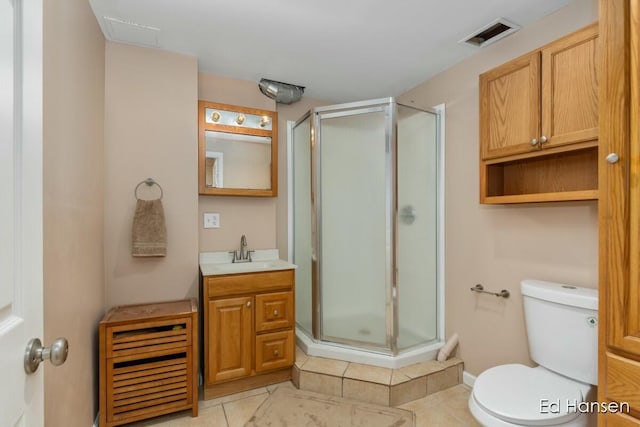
x=407, y=215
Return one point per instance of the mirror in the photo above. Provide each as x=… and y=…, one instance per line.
x=238, y=150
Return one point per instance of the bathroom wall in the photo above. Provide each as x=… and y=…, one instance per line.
x=150, y=131
x=73, y=134
x=499, y=246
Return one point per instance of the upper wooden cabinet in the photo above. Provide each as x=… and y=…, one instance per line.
x=237, y=150
x=543, y=99
x=539, y=124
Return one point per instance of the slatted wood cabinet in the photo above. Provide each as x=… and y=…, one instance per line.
x=249, y=338
x=619, y=212
x=148, y=361
x=539, y=124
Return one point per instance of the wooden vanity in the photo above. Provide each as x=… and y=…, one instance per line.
x=248, y=329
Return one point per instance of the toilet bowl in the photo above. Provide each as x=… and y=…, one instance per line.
x=562, y=331
x=517, y=395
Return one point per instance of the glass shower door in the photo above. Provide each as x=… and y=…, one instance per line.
x=417, y=237
x=302, y=230
x=354, y=163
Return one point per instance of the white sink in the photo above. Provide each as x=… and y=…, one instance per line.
x=218, y=263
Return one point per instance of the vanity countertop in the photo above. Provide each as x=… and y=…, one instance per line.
x=219, y=263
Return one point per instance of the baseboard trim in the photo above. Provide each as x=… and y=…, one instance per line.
x=468, y=379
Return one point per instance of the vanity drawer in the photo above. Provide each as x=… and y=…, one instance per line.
x=274, y=311
x=274, y=350
x=231, y=284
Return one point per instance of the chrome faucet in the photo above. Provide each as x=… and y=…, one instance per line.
x=242, y=255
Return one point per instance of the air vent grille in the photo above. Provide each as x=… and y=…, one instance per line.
x=490, y=33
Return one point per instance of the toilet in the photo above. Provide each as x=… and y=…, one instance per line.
x=562, y=329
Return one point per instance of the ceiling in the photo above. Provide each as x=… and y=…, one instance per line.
x=340, y=50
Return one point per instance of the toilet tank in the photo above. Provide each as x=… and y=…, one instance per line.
x=562, y=328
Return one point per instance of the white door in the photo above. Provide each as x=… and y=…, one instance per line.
x=21, y=395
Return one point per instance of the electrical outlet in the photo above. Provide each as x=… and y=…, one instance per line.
x=212, y=220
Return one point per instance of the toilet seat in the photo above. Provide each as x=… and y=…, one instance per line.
x=513, y=393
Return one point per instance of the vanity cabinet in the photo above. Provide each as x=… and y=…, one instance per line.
x=249, y=338
x=539, y=124
x=619, y=211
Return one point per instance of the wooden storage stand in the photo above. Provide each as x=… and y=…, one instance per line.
x=148, y=361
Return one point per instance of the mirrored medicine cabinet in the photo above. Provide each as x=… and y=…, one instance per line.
x=238, y=152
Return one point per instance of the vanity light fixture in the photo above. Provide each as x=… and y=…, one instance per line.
x=215, y=116
x=240, y=119
x=264, y=120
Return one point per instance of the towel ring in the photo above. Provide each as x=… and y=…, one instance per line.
x=149, y=182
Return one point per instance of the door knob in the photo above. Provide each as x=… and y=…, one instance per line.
x=612, y=158
x=36, y=353
x=542, y=139
x=534, y=142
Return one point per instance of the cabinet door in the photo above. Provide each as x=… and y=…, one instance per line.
x=570, y=89
x=619, y=209
x=510, y=107
x=230, y=338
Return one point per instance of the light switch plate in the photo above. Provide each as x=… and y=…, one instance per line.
x=211, y=220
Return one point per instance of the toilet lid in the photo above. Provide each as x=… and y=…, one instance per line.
x=527, y=396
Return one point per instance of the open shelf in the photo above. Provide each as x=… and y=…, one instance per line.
x=564, y=176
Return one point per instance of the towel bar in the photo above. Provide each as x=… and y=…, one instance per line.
x=480, y=289
x=149, y=182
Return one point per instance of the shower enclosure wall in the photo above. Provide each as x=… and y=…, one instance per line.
x=366, y=224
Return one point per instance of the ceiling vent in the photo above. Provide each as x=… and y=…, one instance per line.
x=490, y=33
x=131, y=32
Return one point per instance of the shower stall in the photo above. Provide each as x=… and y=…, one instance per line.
x=366, y=197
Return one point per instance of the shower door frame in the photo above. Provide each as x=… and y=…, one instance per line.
x=391, y=311
x=386, y=105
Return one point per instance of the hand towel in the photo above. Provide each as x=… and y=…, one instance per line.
x=149, y=233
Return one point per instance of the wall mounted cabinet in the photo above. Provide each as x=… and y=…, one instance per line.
x=539, y=124
x=237, y=150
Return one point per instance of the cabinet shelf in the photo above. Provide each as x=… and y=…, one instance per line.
x=564, y=176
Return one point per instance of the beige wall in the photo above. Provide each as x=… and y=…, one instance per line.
x=253, y=216
x=499, y=246
x=73, y=206
x=150, y=131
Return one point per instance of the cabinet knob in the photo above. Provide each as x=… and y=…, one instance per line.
x=612, y=158
x=276, y=312
x=248, y=303
x=542, y=139
x=534, y=142
x=276, y=352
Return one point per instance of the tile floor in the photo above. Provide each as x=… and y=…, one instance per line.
x=446, y=408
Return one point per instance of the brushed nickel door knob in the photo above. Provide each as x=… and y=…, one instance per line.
x=36, y=353
x=534, y=142
x=543, y=139
x=612, y=158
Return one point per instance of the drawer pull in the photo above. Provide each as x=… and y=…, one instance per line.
x=276, y=353
x=276, y=312
x=248, y=303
